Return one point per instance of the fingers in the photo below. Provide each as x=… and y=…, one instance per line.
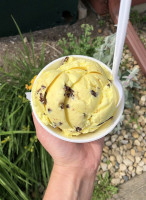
x=50, y=142
x=39, y=128
x=44, y=137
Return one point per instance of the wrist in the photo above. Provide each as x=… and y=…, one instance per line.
x=77, y=171
x=79, y=182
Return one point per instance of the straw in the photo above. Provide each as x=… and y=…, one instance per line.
x=120, y=35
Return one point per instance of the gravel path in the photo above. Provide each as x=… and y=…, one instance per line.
x=124, y=153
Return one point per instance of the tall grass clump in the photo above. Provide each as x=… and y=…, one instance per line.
x=25, y=166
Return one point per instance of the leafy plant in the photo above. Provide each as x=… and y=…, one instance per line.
x=106, y=50
x=101, y=22
x=25, y=166
x=103, y=188
x=129, y=81
x=80, y=46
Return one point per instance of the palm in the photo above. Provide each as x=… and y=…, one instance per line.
x=66, y=153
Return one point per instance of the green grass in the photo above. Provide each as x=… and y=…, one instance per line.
x=25, y=166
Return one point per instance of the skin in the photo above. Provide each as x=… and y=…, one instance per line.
x=75, y=166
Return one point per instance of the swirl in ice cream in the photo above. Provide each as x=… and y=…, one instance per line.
x=78, y=97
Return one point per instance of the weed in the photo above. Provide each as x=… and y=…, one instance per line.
x=105, y=51
x=80, y=46
x=103, y=188
x=108, y=162
x=101, y=22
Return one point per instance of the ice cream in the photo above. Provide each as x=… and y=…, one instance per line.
x=78, y=97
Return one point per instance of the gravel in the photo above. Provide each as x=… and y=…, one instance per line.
x=128, y=146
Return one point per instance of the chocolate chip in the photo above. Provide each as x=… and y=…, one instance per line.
x=110, y=117
x=109, y=84
x=105, y=121
x=43, y=86
x=49, y=110
x=101, y=123
x=68, y=91
x=62, y=105
x=66, y=87
x=110, y=80
x=67, y=105
x=45, y=100
x=38, y=90
x=60, y=123
x=41, y=98
x=84, y=114
x=66, y=59
x=94, y=93
x=78, y=129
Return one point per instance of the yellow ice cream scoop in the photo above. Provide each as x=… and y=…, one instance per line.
x=77, y=97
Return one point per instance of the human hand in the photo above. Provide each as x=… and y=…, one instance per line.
x=70, y=155
x=75, y=166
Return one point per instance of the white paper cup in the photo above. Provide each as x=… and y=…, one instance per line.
x=99, y=133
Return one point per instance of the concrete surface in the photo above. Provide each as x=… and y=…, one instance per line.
x=140, y=8
x=135, y=189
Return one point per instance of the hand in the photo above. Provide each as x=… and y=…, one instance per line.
x=67, y=154
x=75, y=166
